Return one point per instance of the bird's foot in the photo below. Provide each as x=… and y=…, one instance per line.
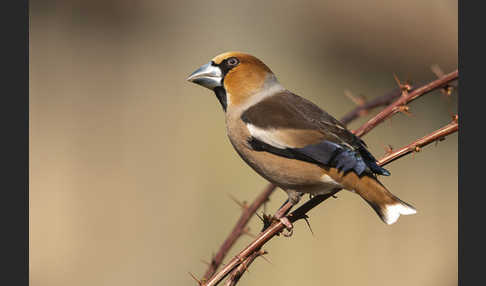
x=281, y=214
x=268, y=220
x=288, y=226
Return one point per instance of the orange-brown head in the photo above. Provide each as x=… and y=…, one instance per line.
x=235, y=77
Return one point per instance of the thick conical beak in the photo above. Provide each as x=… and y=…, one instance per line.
x=208, y=75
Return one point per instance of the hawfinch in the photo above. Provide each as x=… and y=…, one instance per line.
x=290, y=141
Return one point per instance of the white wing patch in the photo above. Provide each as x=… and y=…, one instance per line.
x=328, y=180
x=268, y=136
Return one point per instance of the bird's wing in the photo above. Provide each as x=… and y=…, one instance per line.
x=291, y=126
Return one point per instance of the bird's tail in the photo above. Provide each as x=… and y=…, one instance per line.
x=386, y=205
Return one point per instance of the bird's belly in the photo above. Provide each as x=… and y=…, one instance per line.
x=288, y=174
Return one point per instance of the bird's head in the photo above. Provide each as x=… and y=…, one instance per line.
x=235, y=77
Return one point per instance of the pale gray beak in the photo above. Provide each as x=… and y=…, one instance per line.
x=208, y=75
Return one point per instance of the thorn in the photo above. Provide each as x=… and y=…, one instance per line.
x=408, y=83
x=404, y=93
x=264, y=257
x=388, y=149
x=358, y=100
x=403, y=109
x=205, y=262
x=437, y=70
x=243, y=204
x=247, y=269
x=438, y=140
x=455, y=118
x=247, y=232
x=405, y=88
x=195, y=278
x=267, y=221
x=262, y=252
x=397, y=80
x=414, y=149
x=240, y=259
x=261, y=218
x=447, y=90
x=308, y=224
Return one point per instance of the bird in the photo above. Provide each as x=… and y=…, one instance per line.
x=290, y=141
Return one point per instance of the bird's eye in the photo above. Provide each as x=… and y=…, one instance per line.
x=233, y=61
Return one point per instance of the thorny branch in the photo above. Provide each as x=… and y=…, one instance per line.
x=364, y=107
x=238, y=230
x=416, y=146
x=238, y=272
x=367, y=106
x=251, y=252
x=403, y=100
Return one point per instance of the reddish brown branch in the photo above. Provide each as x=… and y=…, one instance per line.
x=277, y=227
x=422, y=142
x=403, y=100
x=237, y=231
x=240, y=270
x=370, y=105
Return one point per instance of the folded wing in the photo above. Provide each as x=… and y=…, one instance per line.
x=293, y=127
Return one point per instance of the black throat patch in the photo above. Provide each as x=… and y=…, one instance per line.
x=221, y=95
x=225, y=67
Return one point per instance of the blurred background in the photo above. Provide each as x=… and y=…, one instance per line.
x=131, y=169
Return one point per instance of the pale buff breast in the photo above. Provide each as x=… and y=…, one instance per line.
x=289, y=174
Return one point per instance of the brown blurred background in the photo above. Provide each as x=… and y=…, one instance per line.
x=131, y=168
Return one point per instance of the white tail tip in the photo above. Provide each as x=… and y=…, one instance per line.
x=392, y=212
